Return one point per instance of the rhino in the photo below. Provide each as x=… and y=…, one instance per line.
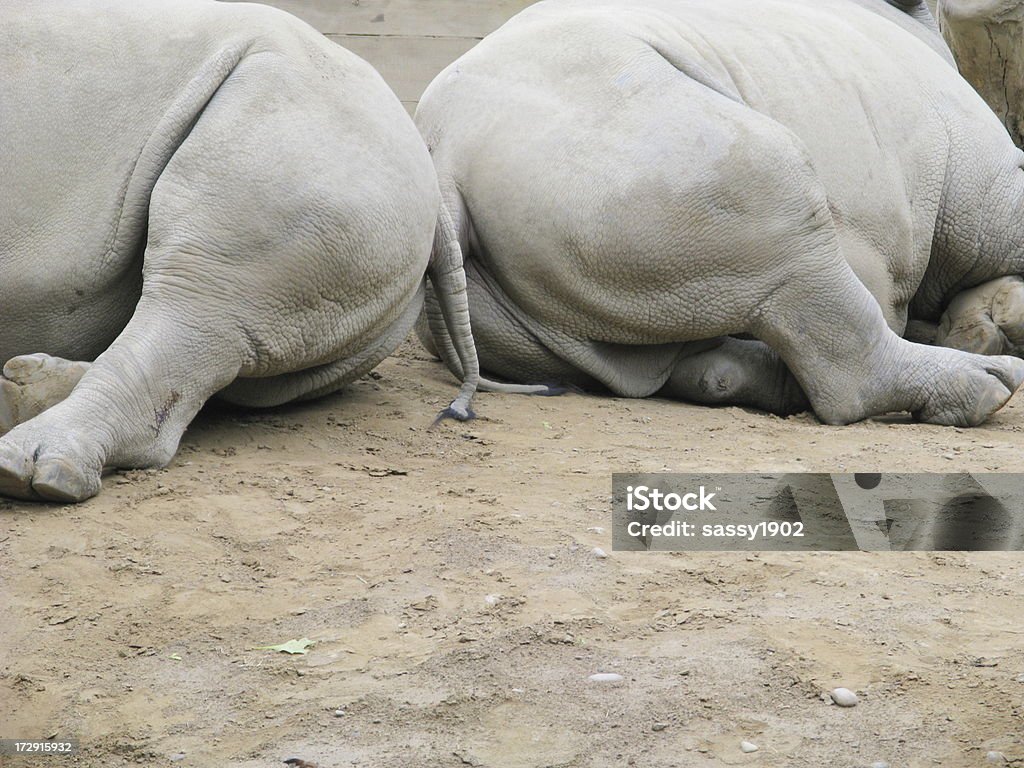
x=987, y=40
x=196, y=198
x=739, y=202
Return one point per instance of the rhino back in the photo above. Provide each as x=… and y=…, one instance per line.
x=569, y=96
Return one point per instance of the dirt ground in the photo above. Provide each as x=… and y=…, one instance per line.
x=448, y=579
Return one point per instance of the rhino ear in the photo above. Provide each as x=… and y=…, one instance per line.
x=920, y=11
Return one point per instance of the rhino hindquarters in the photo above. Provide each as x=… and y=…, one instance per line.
x=279, y=239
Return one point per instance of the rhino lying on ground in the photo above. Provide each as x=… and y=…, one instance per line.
x=663, y=197
x=208, y=197
x=987, y=39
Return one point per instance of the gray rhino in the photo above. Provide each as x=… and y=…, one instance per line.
x=203, y=198
x=733, y=201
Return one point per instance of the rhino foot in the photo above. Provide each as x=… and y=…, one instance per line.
x=986, y=320
x=937, y=385
x=737, y=372
x=973, y=389
x=32, y=383
x=49, y=465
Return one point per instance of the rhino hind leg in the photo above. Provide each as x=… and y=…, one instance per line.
x=826, y=326
x=32, y=383
x=737, y=372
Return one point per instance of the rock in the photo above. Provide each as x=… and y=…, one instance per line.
x=177, y=757
x=880, y=764
x=747, y=746
x=995, y=757
x=339, y=713
x=844, y=697
x=606, y=677
x=599, y=553
x=659, y=726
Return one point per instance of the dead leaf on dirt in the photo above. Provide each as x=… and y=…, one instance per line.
x=294, y=647
x=385, y=472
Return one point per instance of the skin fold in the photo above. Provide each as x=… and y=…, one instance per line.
x=741, y=202
x=196, y=198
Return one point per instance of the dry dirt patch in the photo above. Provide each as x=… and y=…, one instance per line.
x=131, y=621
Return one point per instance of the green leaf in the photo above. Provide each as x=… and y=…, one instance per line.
x=292, y=646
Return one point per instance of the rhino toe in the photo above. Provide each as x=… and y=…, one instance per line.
x=47, y=463
x=61, y=480
x=15, y=472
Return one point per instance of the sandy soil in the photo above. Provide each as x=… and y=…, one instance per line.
x=132, y=621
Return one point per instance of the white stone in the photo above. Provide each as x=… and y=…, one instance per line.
x=844, y=697
x=606, y=677
x=747, y=746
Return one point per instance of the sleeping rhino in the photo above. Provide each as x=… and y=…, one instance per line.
x=203, y=198
x=736, y=202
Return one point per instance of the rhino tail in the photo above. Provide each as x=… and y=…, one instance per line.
x=448, y=317
x=452, y=331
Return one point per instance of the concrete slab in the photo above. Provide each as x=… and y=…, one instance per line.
x=408, y=64
x=408, y=41
x=450, y=18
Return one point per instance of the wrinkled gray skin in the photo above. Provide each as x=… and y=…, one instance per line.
x=662, y=197
x=987, y=39
x=204, y=198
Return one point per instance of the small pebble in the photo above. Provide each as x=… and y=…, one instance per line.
x=599, y=553
x=844, y=697
x=492, y=599
x=177, y=757
x=339, y=713
x=747, y=746
x=880, y=764
x=995, y=757
x=659, y=726
x=606, y=677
